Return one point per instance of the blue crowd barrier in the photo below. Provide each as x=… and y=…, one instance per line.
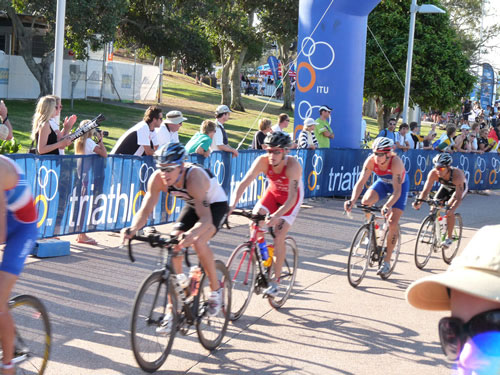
x=77, y=194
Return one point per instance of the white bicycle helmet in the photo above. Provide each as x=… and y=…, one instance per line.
x=382, y=144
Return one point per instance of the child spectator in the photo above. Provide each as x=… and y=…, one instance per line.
x=200, y=142
x=264, y=128
x=307, y=139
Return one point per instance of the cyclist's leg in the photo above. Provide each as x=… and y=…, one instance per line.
x=280, y=232
x=392, y=233
x=373, y=194
x=187, y=219
x=7, y=330
x=450, y=214
x=266, y=205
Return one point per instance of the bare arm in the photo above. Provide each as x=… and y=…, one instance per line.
x=151, y=198
x=365, y=175
x=3, y=215
x=459, y=182
x=148, y=150
x=100, y=149
x=259, y=166
x=43, y=136
x=228, y=148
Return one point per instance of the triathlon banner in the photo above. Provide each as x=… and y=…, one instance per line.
x=76, y=194
x=487, y=84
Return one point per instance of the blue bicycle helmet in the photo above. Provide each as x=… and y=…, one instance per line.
x=170, y=153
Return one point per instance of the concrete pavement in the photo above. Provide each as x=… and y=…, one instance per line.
x=326, y=327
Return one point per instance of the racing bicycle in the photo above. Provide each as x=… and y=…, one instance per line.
x=368, y=248
x=157, y=300
x=433, y=232
x=250, y=273
x=33, y=335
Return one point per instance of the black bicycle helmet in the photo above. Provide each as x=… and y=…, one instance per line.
x=170, y=153
x=278, y=139
x=443, y=159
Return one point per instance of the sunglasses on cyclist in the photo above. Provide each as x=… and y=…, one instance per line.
x=380, y=153
x=169, y=168
x=441, y=168
x=274, y=152
x=483, y=329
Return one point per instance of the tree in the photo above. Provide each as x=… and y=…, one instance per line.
x=280, y=21
x=440, y=69
x=95, y=28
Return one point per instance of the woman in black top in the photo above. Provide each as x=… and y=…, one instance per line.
x=264, y=128
x=482, y=141
x=42, y=133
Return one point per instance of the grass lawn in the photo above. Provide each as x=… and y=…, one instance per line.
x=197, y=103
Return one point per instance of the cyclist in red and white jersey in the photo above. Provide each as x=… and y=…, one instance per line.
x=282, y=198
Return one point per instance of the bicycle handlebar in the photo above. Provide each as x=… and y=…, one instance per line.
x=154, y=240
x=432, y=202
x=254, y=217
x=368, y=208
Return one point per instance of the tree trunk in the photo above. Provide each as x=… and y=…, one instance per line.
x=380, y=113
x=41, y=71
x=370, y=108
x=224, y=81
x=284, y=49
x=238, y=58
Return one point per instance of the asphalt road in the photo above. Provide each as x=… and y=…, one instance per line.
x=326, y=327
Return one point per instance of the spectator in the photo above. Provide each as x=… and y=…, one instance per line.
x=42, y=133
x=307, y=139
x=389, y=132
x=466, y=109
x=462, y=142
x=494, y=133
x=473, y=138
x=200, y=142
x=483, y=142
x=428, y=141
x=5, y=125
x=433, y=129
x=283, y=122
x=169, y=130
x=447, y=144
x=264, y=128
x=67, y=124
x=403, y=138
x=470, y=290
x=221, y=142
x=85, y=145
x=141, y=138
x=324, y=133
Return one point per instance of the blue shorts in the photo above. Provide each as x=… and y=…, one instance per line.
x=383, y=189
x=21, y=239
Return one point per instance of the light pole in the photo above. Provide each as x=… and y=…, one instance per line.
x=426, y=8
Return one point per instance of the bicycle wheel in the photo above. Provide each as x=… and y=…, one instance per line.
x=149, y=347
x=211, y=329
x=33, y=336
x=288, y=274
x=359, y=255
x=425, y=243
x=449, y=253
x=241, y=267
x=394, y=255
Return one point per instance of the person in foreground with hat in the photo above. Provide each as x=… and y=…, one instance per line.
x=470, y=289
x=307, y=138
x=392, y=180
x=221, y=141
x=141, y=138
x=451, y=192
x=200, y=219
x=324, y=133
x=168, y=131
x=282, y=198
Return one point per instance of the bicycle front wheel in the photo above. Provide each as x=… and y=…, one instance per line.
x=241, y=267
x=359, y=256
x=425, y=243
x=150, y=347
x=288, y=274
x=450, y=252
x=211, y=329
x=394, y=255
x=33, y=336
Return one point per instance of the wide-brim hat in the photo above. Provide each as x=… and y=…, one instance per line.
x=476, y=272
x=174, y=117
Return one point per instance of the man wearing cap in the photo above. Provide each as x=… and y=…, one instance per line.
x=324, y=133
x=220, y=141
x=169, y=130
x=141, y=138
x=470, y=289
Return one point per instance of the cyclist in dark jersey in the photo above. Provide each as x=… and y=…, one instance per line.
x=18, y=231
x=282, y=198
x=452, y=190
x=202, y=216
x=391, y=180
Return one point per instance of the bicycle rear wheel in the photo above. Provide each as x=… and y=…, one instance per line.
x=288, y=273
x=211, y=329
x=394, y=255
x=359, y=256
x=450, y=252
x=149, y=347
x=241, y=267
x=425, y=243
x=33, y=335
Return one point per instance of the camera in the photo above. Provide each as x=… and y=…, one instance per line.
x=105, y=133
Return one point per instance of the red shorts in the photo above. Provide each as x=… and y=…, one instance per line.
x=272, y=201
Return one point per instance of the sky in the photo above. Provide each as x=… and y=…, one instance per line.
x=492, y=12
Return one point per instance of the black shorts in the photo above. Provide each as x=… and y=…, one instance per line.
x=188, y=217
x=444, y=194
